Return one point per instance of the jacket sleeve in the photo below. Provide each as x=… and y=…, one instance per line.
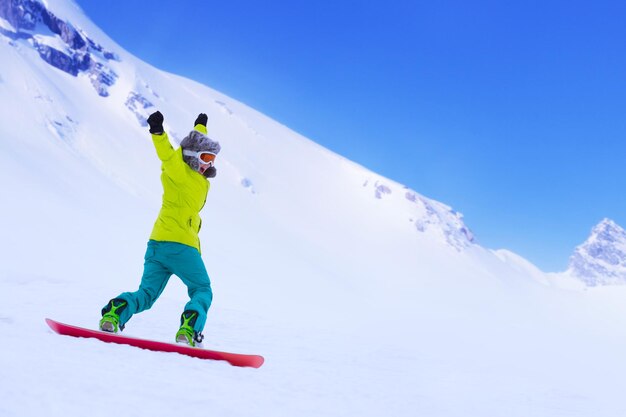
x=172, y=162
x=201, y=129
x=163, y=147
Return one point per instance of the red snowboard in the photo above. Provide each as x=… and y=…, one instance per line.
x=236, y=359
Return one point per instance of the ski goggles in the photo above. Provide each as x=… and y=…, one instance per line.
x=204, y=157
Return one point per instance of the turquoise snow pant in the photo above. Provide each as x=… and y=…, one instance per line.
x=161, y=261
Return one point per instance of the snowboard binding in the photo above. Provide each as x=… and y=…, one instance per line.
x=111, y=316
x=186, y=334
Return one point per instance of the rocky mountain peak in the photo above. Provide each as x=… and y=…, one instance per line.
x=601, y=259
x=31, y=23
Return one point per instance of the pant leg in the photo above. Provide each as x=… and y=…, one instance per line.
x=189, y=267
x=156, y=274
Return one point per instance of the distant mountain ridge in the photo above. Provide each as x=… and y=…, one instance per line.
x=601, y=259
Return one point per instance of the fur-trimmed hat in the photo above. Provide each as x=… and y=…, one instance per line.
x=196, y=141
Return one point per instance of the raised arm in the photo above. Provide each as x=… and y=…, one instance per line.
x=161, y=142
x=200, y=123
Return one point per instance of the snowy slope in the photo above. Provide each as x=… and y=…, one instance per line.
x=365, y=297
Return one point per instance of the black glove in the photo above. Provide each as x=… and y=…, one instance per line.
x=202, y=119
x=156, y=123
x=210, y=172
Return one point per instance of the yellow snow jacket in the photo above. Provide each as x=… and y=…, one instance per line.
x=184, y=195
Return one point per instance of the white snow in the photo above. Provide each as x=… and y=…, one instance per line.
x=6, y=25
x=361, y=306
x=52, y=41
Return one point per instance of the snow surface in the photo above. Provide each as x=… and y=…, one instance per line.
x=364, y=297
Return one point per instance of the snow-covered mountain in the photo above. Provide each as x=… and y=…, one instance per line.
x=365, y=297
x=601, y=259
x=30, y=27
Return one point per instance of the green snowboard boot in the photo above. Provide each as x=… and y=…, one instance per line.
x=111, y=315
x=186, y=334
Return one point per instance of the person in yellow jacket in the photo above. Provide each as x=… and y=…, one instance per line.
x=174, y=245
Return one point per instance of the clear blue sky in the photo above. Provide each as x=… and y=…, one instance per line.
x=513, y=113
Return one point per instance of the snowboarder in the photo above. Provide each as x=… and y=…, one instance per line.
x=174, y=246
